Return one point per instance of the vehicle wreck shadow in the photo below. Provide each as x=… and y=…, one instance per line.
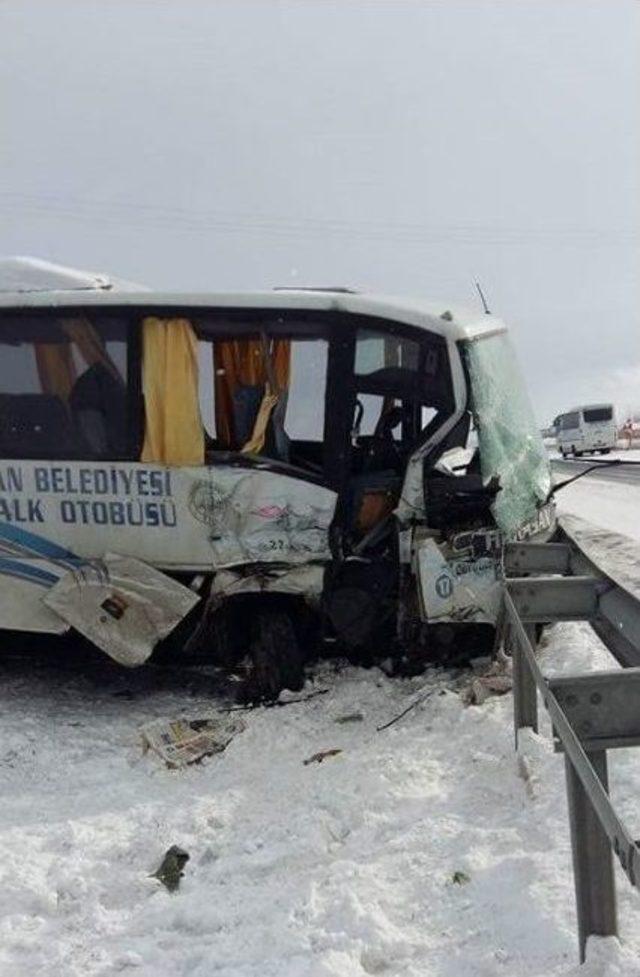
x=54, y=660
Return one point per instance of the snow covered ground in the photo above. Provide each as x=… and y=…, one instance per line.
x=613, y=505
x=423, y=850
x=340, y=869
x=623, y=453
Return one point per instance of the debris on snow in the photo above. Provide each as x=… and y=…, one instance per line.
x=170, y=870
x=495, y=680
x=322, y=755
x=183, y=741
x=460, y=878
x=416, y=702
x=352, y=717
x=284, y=699
x=485, y=686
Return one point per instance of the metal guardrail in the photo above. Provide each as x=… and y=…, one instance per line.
x=590, y=713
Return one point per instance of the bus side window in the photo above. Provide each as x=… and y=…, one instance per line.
x=234, y=383
x=63, y=390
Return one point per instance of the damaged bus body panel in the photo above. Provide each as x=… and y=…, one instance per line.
x=288, y=470
x=185, y=521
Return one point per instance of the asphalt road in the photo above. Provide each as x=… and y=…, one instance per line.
x=629, y=474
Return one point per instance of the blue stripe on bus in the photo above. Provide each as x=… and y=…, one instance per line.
x=25, y=571
x=38, y=545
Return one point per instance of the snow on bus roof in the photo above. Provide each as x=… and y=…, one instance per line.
x=31, y=283
x=25, y=275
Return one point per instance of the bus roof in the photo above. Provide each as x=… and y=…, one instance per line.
x=32, y=283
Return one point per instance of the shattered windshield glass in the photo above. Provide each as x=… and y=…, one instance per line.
x=511, y=445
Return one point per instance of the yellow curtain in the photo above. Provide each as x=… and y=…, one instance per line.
x=248, y=362
x=56, y=369
x=174, y=434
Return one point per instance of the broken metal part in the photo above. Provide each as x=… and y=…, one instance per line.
x=122, y=605
x=461, y=589
x=322, y=755
x=304, y=581
x=170, y=870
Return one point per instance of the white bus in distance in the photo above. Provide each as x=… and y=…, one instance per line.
x=586, y=430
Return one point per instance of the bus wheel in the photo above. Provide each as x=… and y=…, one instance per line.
x=605, y=451
x=578, y=454
x=276, y=660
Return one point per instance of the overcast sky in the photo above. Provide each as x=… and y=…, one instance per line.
x=393, y=145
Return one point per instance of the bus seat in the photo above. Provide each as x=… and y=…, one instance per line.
x=371, y=497
x=36, y=426
x=246, y=402
x=98, y=405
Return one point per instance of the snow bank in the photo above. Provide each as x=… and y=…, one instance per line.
x=425, y=849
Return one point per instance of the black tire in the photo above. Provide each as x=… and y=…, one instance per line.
x=229, y=636
x=606, y=451
x=220, y=637
x=276, y=660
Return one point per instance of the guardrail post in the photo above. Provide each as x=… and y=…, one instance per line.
x=525, y=697
x=592, y=858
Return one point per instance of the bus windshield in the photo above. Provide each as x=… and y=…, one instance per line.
x=511, y=446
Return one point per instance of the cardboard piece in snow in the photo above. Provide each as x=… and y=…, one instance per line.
x=122, y=605
x=183, y=741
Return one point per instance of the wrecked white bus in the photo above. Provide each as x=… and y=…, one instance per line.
x=286, y=472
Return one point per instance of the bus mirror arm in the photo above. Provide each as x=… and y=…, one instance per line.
x=613, y=463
